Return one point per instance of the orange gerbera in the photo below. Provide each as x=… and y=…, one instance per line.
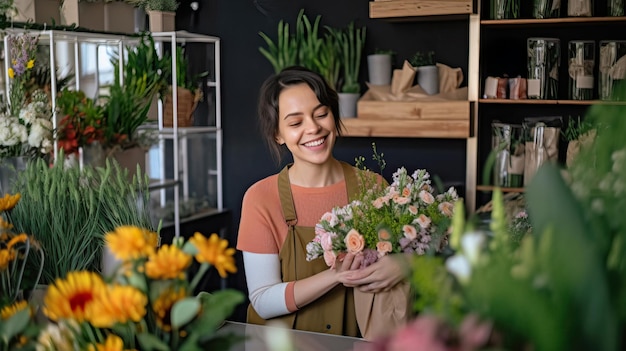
x=9, y=201
x=8, y=311
x=131, y=242
x=216, y=252
x=119, y=304
x=168, y=262
x=112, y=343
x=70, y=298
x=162, y=307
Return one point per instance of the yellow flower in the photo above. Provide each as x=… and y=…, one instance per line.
x=130, y=242
x=6, y=257
x=11, y=73
x=163, y=306
x=70, y=297
x=168, y=262
x=112, y=343
x=216, y=252
x=4, y=226
x=30, y=64
x=21, y=238
x=119, y=304
x=9, y=201
x=8, y=311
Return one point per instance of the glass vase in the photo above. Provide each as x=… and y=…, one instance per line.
x=581, y=62
x=507, y=142
x=543, y=68
x=580, y=8
x=546, y=8
x=612, y=69
x=504, y=9
x=615, y=8
x=10, y=167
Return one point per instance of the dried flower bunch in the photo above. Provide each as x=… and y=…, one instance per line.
x=149, y=303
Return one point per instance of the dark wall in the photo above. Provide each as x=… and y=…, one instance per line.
x=238, y=23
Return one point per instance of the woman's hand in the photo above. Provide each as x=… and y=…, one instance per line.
x=348, y=261
x=380, y=276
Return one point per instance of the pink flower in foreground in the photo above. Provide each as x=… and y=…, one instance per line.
x=427, y=197
x=355, y=242
x=330, y=258
x=409, y=231
x=446, y=208
x=383, y=248
x=423, y=221
x=421, y=334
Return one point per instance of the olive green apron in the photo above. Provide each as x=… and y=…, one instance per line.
x=332, y=313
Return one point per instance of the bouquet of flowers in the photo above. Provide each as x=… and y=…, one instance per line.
x=403, y=217
x=149, y=303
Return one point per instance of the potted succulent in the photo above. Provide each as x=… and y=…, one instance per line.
x=188, y=94
x=427, y=71
x=379, y=66
x=350, y=43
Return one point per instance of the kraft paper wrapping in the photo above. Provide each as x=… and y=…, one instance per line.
x=402, y=88
x=379, y=314
x=573, y=147
x=543, y=148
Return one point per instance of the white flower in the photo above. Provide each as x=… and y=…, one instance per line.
x=471, y=245
x=460, y=267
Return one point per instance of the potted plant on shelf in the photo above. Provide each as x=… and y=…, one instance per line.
x=350, y=45
x=188, y=94
x=282, y=53
x=427, y=72
x=161, y=13
x=379, y=66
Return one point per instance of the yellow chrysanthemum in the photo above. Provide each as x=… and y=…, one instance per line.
x=9, y=201
x=20, y=238
x=119, y=304
x=168, y=262
x=216, y=252
x=70, y=297
x=30, y=64
x=163, y=306
x=8, y=311
x=112, y=343
x=6, y=257
x=11, y=73
x=131, y=242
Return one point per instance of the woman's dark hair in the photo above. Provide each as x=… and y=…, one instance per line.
x=270, y=92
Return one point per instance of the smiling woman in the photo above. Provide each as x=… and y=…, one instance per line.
x=299, y=110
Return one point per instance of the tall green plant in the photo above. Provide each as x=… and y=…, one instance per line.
x=282, y=53
x=69, y=210
x=308, y=39
x=351, y=41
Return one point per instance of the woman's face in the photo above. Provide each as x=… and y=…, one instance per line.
x=305, y=126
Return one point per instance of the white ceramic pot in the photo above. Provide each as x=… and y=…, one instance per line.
x=347, y=104
x=428, y=79
x=379, y=69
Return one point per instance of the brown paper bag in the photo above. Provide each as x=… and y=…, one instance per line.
x=379, y=314
x=402, y=79
x=449, y=78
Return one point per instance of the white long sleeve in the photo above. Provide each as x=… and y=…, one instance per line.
x=266, y=290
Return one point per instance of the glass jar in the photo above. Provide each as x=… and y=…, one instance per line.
x=615, y=8
x=612, y=68
x=507, y=141
x=504, y=9
x=581, y=62
x=546, y=8
x=543, y=68
x=580, y=8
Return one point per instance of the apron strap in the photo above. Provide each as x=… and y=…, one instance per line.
x=286, y=200
x=352, y=181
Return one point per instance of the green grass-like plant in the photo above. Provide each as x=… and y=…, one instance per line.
x=69, y=210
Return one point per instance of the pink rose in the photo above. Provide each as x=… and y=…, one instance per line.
x=427, y=197
x=409, y=232
x=401, y=200
x=326, y=240
x=413, y=209
x=378, y=203
x=406, y=192
x=383, y=248
x=423, y=221
x=383, y=234
x=329, y=258
x=446, y=208
x=355, y=242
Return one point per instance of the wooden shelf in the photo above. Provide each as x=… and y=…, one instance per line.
x=504, y=190
x=403, y=128
x=541, y=21
x=419, y=8
x=549, y=102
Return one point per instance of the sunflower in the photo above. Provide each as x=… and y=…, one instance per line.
x=119, y=304
x=70, y=298
x=216, y=252
x=162, y=307
x=131, y=242
x=9, y=201
x=8, y=311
